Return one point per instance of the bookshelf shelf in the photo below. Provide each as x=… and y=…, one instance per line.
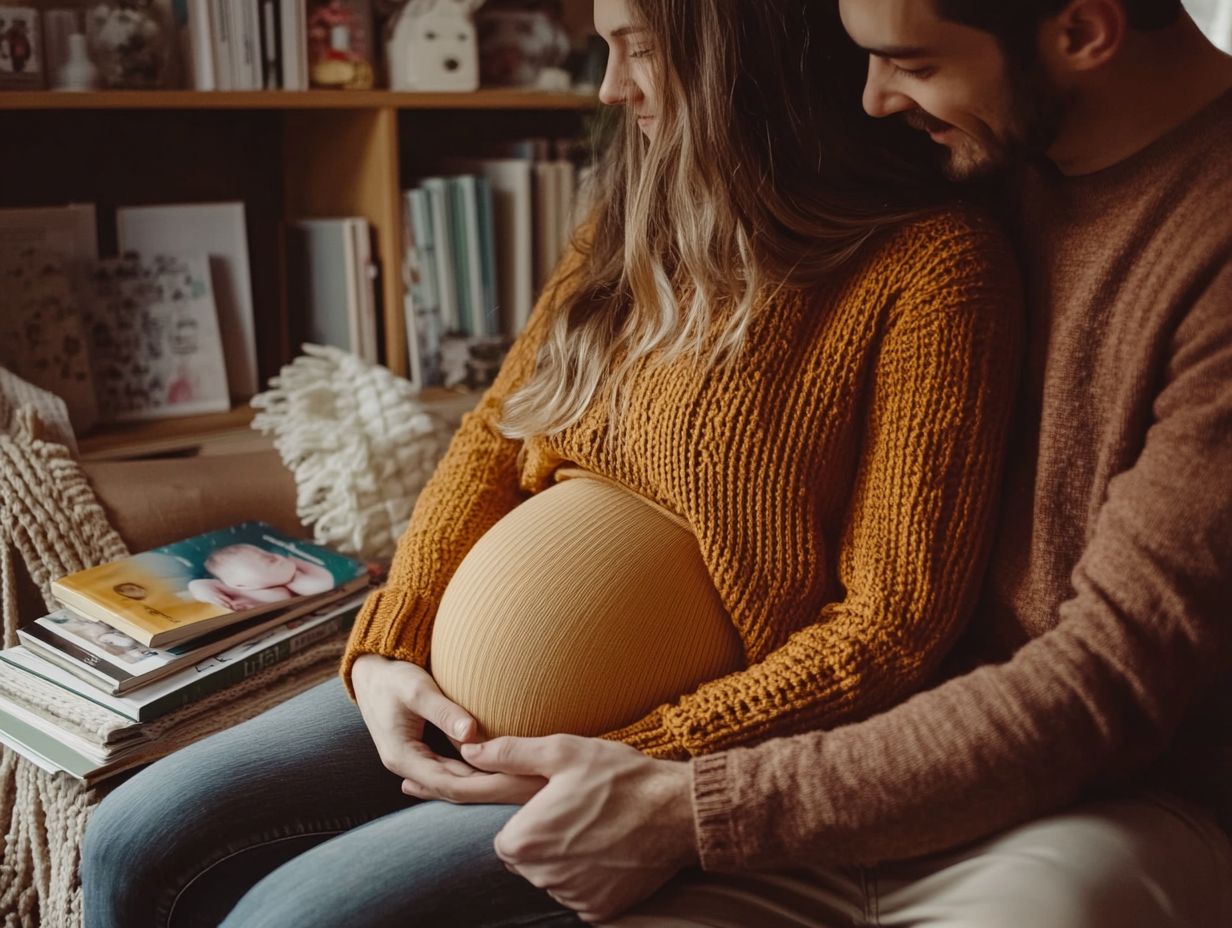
x=292, y=100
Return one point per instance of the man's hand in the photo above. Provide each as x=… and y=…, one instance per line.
x=396, y=699
x=610, y=827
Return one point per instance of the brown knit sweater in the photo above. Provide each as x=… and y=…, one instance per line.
x=840, y=481
x=1105, y=625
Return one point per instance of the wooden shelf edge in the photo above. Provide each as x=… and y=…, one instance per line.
x=172, y=436
x=136, y=438
x=13, y=100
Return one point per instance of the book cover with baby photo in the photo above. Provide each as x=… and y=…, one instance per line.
x=189, y=588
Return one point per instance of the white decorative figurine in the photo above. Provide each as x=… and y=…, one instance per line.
x=434, y=46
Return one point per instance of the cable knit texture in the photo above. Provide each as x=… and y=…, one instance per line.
x=839, y=480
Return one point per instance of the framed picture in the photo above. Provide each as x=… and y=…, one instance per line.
x=22, y=64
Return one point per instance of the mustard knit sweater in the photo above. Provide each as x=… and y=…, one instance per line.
x=840, y=479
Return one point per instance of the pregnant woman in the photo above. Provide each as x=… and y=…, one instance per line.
x=733, y=481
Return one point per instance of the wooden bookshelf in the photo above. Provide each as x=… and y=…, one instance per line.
x=292, y=100
x=286, y=155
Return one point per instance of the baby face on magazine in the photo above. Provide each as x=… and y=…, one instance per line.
x=245, y=576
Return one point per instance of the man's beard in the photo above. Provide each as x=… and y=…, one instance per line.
x=1031, y=119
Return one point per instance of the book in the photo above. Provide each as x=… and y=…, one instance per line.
x=222, y=28
x=513, y=229
x=53, y=755
x=256, y=651
x=220, y=231
x=422, y=292
x=366, y=276
x=271, y=71
x=192, y=587
x=485, y=211
x=116, y=663
x=443, y=235
x=249, y=17
x=333, y=283
x=468, y=274
x=201, y=45
x=293, y=44
x=153, y=339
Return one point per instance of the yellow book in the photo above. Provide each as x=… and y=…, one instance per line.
x=189, y=588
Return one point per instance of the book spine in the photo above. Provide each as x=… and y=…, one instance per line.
x=220, y=22
x=241, y=670
x=253, y=58
x=294, y=44
x=201, y=41
x=271, y=70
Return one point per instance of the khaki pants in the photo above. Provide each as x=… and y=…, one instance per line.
x=1145, y=862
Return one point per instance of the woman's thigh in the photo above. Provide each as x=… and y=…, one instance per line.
x=430, y=865
x=184, y=839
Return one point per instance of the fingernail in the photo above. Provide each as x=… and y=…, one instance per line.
x=461, y=727
x=470, y=750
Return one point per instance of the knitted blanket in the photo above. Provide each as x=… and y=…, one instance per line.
x=50, y=518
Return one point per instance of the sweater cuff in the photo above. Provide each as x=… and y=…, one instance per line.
x=714, y=807
x=650, y=736
x=391, y=623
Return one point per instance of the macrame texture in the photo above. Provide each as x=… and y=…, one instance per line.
x=359, y=443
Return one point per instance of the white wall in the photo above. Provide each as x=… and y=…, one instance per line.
x=1215, y=18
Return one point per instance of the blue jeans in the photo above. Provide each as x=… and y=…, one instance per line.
x=290, y=819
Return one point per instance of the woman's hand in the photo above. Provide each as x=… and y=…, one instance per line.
x=396, y=699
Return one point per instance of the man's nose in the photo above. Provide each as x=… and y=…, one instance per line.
x=879, y=98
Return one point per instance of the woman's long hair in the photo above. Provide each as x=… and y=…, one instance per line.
x=763, y=173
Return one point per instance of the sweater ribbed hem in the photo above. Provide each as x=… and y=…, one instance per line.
x=713, y=807
x=392, y=623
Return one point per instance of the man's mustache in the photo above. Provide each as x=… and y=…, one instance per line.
x=918, y=119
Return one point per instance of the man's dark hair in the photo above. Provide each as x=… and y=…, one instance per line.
x=1012, y=21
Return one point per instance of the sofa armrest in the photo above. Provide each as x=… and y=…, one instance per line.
x=158, y=501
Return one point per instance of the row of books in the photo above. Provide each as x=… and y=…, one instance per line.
x=248, y=44
x=480, y=244
x=151, y=634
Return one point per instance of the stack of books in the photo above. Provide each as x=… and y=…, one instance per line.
x=93, y=686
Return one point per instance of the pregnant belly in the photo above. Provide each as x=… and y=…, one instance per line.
x=580, y=611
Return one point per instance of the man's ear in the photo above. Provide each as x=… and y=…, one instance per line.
x=1084, y=36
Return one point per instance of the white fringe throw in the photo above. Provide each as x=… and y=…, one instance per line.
x=359, y=443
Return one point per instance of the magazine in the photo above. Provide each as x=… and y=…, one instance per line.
x=207, y=676
x=117, y=663
x=189, y=588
